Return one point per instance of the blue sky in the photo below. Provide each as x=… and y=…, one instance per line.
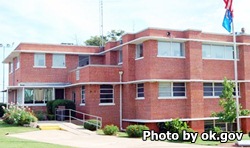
x=74, y=21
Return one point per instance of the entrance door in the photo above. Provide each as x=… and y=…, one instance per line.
x=59, y=93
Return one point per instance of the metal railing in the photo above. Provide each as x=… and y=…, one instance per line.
x=70, y=114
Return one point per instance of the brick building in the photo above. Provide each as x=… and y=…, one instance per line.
x=156, y=75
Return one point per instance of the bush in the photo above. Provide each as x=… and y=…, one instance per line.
x=40, y=115
x=136, y=130
x=51, y=117
x=67, y=103
x=49, y=106
x=1, y=109
x=175, y=126
x=18, y=115
x=91, y=124
x=110, y=129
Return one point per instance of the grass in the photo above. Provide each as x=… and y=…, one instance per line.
x=11, y=142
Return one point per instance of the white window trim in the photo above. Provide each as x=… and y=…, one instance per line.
x=18, y=61
x=113, y=101
x=165, y=56
x=172, y=92
x=139, y=58
x=175, y=98
x=37, y=66
x=212, y=58
x=140, y=98
x=217, y=97
x=106, y=104
x=182, y=57
x=83, y=104
x=65, y=66
x=11, y=67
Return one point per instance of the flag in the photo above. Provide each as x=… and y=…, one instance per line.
x=228, y=4
x=227, y=21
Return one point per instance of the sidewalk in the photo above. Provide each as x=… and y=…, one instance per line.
x=76, y=136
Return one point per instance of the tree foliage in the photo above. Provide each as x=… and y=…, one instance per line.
x=228, y=103
x=113, y=35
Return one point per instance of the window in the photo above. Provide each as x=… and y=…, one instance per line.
x=174, y=89
x=218, y=52
x=213, y=89
x=17, y=63
x=140, y=90
x=11, y=67
x=37, y=95
x=120, y=57
x=73, y=96
x=39, y=59
x=83, y=60
x=106, y=94
x=83, y=95
x=170, y=49
x=139, y=51
x=58, y=60
x=77, y=75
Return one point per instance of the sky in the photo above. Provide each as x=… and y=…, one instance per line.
x=74, y=21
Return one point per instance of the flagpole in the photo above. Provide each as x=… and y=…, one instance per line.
x=236, y=79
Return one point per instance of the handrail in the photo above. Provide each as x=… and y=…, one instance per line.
x=62, y=115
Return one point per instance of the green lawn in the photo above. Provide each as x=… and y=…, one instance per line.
x=10, y=142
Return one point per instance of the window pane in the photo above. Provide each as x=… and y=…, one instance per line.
x=28, y=96
x=178, y=84
x=228, y=52
x=208, y=93
x=139, y=51
x=179, y=94
x=107, y=91
x=83, y=60
x=106, y=94
x=48, y=94
x=39, y=95
x=59, y=60
x=140, y=94
x=206, y=52
x=208, y=84
x=140, y=90
x=164, y=49
x=176, y=49
x=106, y=86
x=217, y=51
x=83, y=94
x=39, y=59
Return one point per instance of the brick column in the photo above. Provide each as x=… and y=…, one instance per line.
x=195, y=101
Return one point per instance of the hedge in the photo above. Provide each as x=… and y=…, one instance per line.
x=1, y=109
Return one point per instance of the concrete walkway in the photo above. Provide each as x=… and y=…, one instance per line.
x=76, y=136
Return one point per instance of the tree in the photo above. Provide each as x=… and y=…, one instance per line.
x=228, y=103
x=113, y=35
x=95, y=41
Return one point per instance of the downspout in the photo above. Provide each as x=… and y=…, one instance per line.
x=120, y=73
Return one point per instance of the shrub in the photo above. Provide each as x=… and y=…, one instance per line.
x=1, y=109
x=67, y=103
x=110, y=129
x=49, y=106
x=136, y=130
x=217, y=130
x=91, y=124
x=51, y=117
x=175, y=126
x=249, y=134
x=18, y=115
x=40, y=115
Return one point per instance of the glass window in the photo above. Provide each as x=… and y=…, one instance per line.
x=214, y=89
x=139, y=51
x=77, y=75
x=218, y=52
x=59, y=60
x=38, y=95
x=120, y=56
x=170, y=49
x=83, y=60
x=140, y=90
x=39, y=59
x=83, y=95
x=17, y=63
x=11, y=67
x=106, y=94
x=172, y=89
